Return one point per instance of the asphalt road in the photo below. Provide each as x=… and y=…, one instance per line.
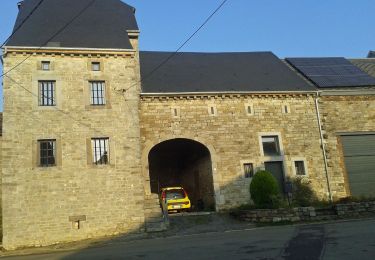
x=344, y=240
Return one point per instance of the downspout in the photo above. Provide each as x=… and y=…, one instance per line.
x=323, y=146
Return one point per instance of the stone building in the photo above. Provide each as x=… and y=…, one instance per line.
x=347, y=109
x=91, y=131
x=71, y=142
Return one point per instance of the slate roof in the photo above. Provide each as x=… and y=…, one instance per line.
x=218, y=72
x=367, y=65
x=371, y=54
x=102, y=25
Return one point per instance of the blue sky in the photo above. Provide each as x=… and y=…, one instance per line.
x=289, y=28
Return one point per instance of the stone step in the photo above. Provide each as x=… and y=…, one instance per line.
x=151, y=219
x=155, y=221
x=151, y=206
x=154, y=214
x=156, y=227
x=152, y=197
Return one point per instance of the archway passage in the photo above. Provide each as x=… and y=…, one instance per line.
x=185, y=163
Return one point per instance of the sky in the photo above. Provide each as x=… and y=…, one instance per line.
x=289, y=28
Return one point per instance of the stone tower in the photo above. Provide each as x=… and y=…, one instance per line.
x=71, y=139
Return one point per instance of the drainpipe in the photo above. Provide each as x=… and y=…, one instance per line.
x=323, y=146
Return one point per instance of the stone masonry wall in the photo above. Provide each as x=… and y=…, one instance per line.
x=233, y=136
x=343, y=114
x=40, y=204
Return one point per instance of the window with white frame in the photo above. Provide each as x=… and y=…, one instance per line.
x=47, y=152
x=299, y=168
x=47, y=93
x=97, y=90
x=271, y=146
x=248, y=170
x=100, y=150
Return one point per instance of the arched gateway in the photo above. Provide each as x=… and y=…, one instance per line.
x=186, y=163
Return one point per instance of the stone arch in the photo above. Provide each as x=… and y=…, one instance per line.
x=151, y=144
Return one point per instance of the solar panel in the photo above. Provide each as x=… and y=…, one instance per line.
x=331, y=72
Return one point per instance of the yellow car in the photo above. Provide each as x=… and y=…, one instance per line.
x=176, y=198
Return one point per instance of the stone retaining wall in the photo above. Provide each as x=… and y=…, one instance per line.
x=355, y=208
x=276, y=215
x=307, y=213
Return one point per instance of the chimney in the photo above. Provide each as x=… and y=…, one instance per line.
x=19, y=4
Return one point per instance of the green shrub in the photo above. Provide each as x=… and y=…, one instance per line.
x=265, y=191
x=303, y=195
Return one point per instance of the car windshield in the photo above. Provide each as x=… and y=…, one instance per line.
x=174, y=194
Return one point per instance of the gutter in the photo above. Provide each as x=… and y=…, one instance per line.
x=68, y=48
x=323, y=146
x=225, y=92
x=359, y=92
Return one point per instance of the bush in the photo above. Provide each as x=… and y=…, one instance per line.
x=264, y=190
x=303, y=195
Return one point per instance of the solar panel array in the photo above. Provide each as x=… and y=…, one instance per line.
x=332, y=72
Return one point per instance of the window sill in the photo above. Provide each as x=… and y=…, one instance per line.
x=274, y=158
x=101, y=166
x=47, y=169
x=95, y=107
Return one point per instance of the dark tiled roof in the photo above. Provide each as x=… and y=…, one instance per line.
x=367, y=65
x=102, y=25
x=218, y=72
x=371, y=54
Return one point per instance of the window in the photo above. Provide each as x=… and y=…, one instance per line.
x=286, y=109
x=299, y=167
x=175, y=112
x=97, y=89
x=249, y=109
x=100, y=148
x=47, y=153
x=248, y=170
x=95, y=66
x=47, y=93
x=270, y=145
x=212, y=111
x=46, y=65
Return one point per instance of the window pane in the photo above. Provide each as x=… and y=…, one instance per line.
x=47, y=153
x=51, y=160
x=97, y=90
x=95, y=66
x=47, y=93
x=100, y=150
x=45, y=65
x=248, y=170
x=271, y=145
x=300, y=167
